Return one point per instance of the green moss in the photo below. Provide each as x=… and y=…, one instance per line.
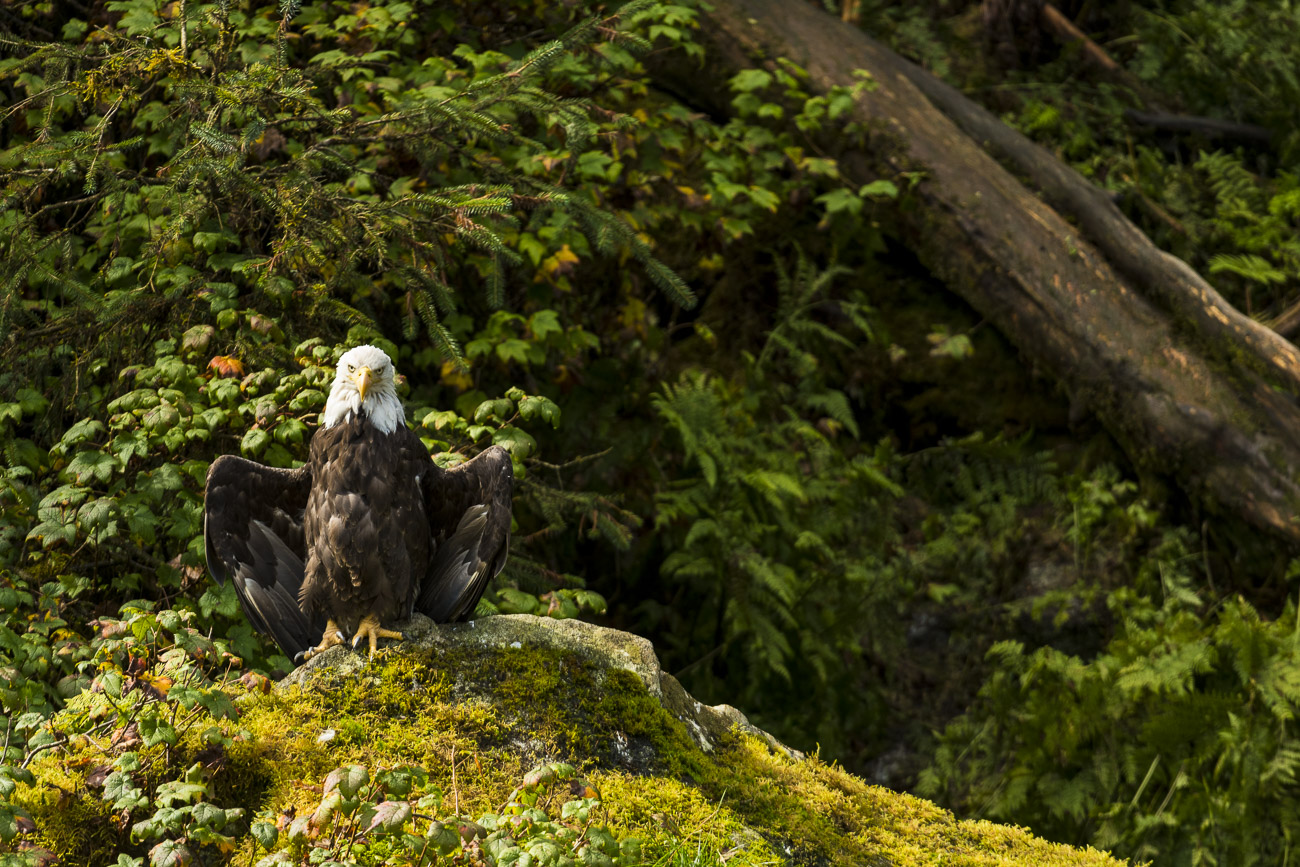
x=71, y=821
x=478, y=715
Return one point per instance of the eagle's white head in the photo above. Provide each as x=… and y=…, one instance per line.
x=363, y=384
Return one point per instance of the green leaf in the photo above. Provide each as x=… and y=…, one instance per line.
x=513, y=349
x=128, y=445
x=348, y=780
x=399, y=781
x=197, y=339
x=391, y=816
x=8, y=822
x=750, y=79
x=512, y=601
x=1254, y=268
x=519, y=443
x=499, y=409
x=255, y=442
x=330, y=805
x=170, y=853
x=536, y=406
x=211, y=816
x=265, y=834
x=219, y=599
x=840, y=201
x=291, y=431
x=154, y=730
x=544, y=322
x=219, y=705
x=121, y=790
x=81, y=431
x=91, y=466
x=880, y=188
x=31, y=401
x=441, y=419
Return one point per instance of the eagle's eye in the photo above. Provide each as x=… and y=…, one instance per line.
x=352, y=368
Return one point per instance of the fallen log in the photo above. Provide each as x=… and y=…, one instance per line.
x=1189, y=386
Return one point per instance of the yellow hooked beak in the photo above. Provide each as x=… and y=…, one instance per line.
x=363, y=378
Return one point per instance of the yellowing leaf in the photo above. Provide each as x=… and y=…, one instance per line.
x=226, y=365
x=561, y=262
x=455, y=376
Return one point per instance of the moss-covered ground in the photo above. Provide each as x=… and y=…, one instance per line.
x=479, y=715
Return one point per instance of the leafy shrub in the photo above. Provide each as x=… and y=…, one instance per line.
x=390, y=818
x=1172, y=742
x=151, y=730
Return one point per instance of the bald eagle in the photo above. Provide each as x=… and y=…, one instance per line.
x=365, y=533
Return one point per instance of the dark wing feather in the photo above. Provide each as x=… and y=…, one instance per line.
x=469, y=516
x=252, y=528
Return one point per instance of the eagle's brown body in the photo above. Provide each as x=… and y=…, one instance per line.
x=361, y=556
x=369, y=530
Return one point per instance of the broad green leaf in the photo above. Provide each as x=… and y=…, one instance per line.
x=265, y=834
x=291, y=431
x=121, y=791
x=219, y=704
x=91, y=466
x=154, y=730
x=331, y=803
x=31, y=401
x=544, y=322
x=536, y=406
x=348, y=780
x=750, y=79
x=500, y=409
x=83, y=430
x=212, y=816
x=439, y=420
x=8, y=822
x=399, y=781
x=840, y=201
x=255, y=442
x=513, y=349
x=391, y=816
x=879, y=188
x=219, y=599
x=170, y=853
x=128, y=445
x=514, y=440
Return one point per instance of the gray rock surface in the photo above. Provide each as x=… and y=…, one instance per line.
x=602, y=647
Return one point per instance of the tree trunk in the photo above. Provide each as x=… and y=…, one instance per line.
x=1189, y=386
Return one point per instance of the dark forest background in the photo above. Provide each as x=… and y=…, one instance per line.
x=747, y=423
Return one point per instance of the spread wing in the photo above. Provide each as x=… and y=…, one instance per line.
x=252, y=528
x=469, y=516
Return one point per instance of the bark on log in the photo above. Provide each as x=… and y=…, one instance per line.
x=1189, y=386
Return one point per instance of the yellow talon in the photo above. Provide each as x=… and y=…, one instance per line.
x=333, y=637
x=371, y=629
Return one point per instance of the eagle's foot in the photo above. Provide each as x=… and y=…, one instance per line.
x=333, y=637
x=371, y=629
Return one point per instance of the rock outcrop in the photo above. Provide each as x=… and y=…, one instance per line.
x=504, y=693
x=505, y=742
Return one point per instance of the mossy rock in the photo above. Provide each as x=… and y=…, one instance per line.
x=479, y=704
